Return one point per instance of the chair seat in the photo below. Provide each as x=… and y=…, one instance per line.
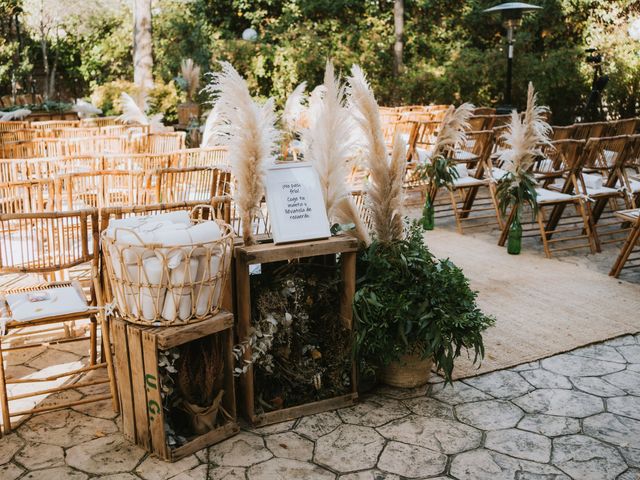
x=630, y=215
x=46, y=302
x=469, y=182
x=550, y=196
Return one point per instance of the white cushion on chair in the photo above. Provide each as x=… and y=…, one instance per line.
x=462, y=171
x=62, y=301
x=463, y=155
x=545, y=196
x=592, y=181
x=468, y=182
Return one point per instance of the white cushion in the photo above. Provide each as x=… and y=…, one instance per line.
x=424, y=156
x=61, y=301
x=463, y=155
x=462, y=170
x=592, y=181
x=545, y=196
x=498, y=173
x=468, y=182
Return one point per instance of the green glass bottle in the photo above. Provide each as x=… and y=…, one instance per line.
x=514, y=244
x=428, y=214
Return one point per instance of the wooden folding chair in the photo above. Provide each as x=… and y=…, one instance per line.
x=562, y=132
x=22, y=135
x=476, y=172
x=626, y=126
x=625, y=260
x=587, y=130
x=551, y=232
x=49, y=244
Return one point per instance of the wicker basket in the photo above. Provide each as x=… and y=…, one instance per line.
x=166, y=285
x=409, y=372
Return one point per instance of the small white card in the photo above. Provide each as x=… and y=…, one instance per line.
x=295, y=203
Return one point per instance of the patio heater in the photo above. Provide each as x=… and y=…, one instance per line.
x=511, y=13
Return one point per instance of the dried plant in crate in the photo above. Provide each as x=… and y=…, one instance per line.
x=191, y=75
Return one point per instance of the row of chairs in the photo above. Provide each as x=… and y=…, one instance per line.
x=129, y=143
x=28, y=134
x=107, y=188
x=14, y=170
x=56, y=124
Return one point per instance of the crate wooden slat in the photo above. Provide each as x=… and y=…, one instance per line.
x=136, y=362
x=268, y=253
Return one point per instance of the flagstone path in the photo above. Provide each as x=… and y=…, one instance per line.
x=571, y=416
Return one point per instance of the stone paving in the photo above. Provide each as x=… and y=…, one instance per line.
x=574, y=415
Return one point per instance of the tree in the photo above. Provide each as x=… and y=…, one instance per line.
x=398, y=45
x=142, y=45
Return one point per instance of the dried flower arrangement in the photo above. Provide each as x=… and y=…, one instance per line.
x=190, y=76
x=300, y=350
x=192, y=382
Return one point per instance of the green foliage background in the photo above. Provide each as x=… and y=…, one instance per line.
x=453, y=52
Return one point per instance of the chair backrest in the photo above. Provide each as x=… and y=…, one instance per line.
x=563, y=159
x=138, y=162
x=13, y=170
x=605, y=153
x=54, y=124
x=100, y=189
x=46, y=242
x=480, y=143
x=114, y=130
x=562, y=132
x=75, y=132
x=98, y=121
x=12, y=126
x=423, y=135
x=190, y=184
x=360, y=200
x=22, y=135
x=626, y=126
x=484, y=111
x=202, y=157
x=481, y=122
x=585, y=131
x=165, y=142
x=26, y=196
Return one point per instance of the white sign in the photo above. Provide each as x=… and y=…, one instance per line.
x=295, y=203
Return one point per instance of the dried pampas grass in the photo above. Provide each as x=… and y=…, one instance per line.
x=18, y=114
x=525, y=137
x=452, y=135
x=249, y=130
x=385, y=192
x=210, y=131
x=132, y=113
x=293, y=108
x=329, y=144
x=191, y=74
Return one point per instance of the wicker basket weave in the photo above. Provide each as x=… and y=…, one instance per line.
x=409, y=372
x=165, y=285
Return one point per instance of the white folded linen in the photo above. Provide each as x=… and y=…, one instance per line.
x=178, y=298
x=208, y=270
x=148, y=299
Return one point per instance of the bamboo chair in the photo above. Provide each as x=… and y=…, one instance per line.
x=98, y=121
x=421, y=139
x=466, y=187
x=27, y=196
x=360, y=200
x=26, y=149
x=22, y=135
x=625, y=258
x=165, y=142
x=75, y=132
x=571, y=158
x=12, y=170
x=117, y=130
x=202, y=157
x=14, y=125
x=48, y=126
x=49, y=243
x=100, y=189
x=138, y=162
x=188, y=184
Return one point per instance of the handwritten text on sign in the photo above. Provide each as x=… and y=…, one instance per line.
x=296, y=206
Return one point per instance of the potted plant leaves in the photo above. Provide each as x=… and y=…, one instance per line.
x=189, y=81
x=412, y=311
x=516, y=188
x=440, y=169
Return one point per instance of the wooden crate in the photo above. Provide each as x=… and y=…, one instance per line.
x=267, y=253
x=136, y=365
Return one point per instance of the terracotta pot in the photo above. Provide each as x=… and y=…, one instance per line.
x=186, y=111
x=409, y=372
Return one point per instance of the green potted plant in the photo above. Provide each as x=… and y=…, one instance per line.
x=440, y=170
x=412, y=311
x=517, y=185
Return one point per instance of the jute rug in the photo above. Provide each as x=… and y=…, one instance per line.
x=542, y=306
